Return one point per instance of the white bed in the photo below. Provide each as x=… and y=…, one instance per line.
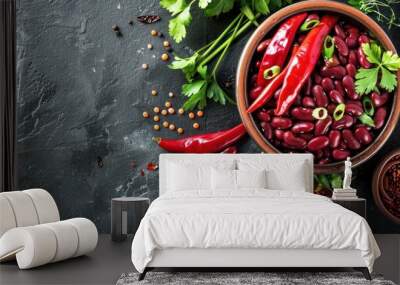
x=271, y=226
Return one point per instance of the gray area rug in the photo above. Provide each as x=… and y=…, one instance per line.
x=243, y=278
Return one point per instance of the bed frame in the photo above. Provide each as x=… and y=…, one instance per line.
x=242, y=259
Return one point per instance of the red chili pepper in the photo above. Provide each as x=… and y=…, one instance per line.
x=205, y=143
x=269, y=90
x=278, y=49
x=230, y=149
x=302, y=64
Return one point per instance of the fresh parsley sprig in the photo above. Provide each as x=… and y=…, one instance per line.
x=386, y=64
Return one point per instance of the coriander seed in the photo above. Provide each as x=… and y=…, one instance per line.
x=170, y=94
x=165, y=57
x=200, y=113
x=168, y=104
x=149, y=46
x=191, y=115
x=172, y=127
x=196, y=125
x=180, y=131
x=145, y=66
x=154, y=92
x=165, y=124
x=171, y=111
x=154, y=33
x=156, y=127
x=145, y=115
x=181, y=111
x=166, y=44
x=156, y=110
x=156, y=118
x=164, y=112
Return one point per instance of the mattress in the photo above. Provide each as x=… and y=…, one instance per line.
x=251, y=219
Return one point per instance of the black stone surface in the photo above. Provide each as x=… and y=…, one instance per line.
x=81, y=94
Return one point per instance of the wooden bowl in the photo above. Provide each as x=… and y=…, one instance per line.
x=379, y=187
x=264, y=29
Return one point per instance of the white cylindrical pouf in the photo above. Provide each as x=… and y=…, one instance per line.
x=87, y=235
x=23, y=208
x=67, y=240
x=7, y=218
x=45, y=205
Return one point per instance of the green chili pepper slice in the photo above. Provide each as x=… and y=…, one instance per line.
x=368, y=106
x=320, y=113
x=308, y=25
x=366, y=120
x=272, y=72
x=329, y=48
x=339, y=111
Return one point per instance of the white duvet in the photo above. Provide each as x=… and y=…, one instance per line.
x=254, y=218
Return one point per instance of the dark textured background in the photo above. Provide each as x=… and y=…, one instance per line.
x=81, y=94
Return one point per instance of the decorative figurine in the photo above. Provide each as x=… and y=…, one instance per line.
x=347, y=174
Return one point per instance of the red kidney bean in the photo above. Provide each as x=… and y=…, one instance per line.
x=352, y=58
x=267, y=131
x=321, y=100
x=350, y=140
x=339, y=31
x=325, y=160
x=279, y=134
x=263, y=45
x=318, y=143
x=342, y=145
x=317, y=78
x=363, y=135
x=336, y=72
x=258, y=63
x=327, y=84
x=355, y=102
x=308, y=102
x=348, y=84
x=322, y=126
x=334, y=61
x=339, y=154
x=291, y=140
x=342, y=59
x=339, y=87
x=263, y=116
x=331, y=108
x=351, y=41
x=253, y=79
x=255, y=92
x=307, y=136
x=336, y=97
x=363, y=39
x=351, y=70
x=344, y=123
x=359, y=125
x=334, y=138
x=354, y=109
x=281, y=123
x=379, y=99
x=302, y=114
x=302, y=127
x=379, y=118
x=308, y=87
x=351, y=30
x=341, y=46
x=362, y=59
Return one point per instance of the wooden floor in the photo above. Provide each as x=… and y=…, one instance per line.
x=103, y=266
x=111, y=259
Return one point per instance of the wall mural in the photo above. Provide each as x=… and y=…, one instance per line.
x=104, y=87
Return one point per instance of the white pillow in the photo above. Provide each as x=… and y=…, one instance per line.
x=223, y=179
x=281, y=174
x=251, y=179
x=226, y=179
x=188, y=175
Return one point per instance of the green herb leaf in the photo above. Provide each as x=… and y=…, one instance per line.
x=177, y=26
x=189, y=89
x=217, y=7
x=388, y=80
x=391, y=61
x=182, y=63
x=173, y=6
x=366, y=80
x=216, y=93
x=204, y=3
x=366, y=120
x=336, y=180
x=373, y=52
x=202, y=70
x=261, y=6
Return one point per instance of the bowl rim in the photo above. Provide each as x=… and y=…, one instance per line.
x=271, y=22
